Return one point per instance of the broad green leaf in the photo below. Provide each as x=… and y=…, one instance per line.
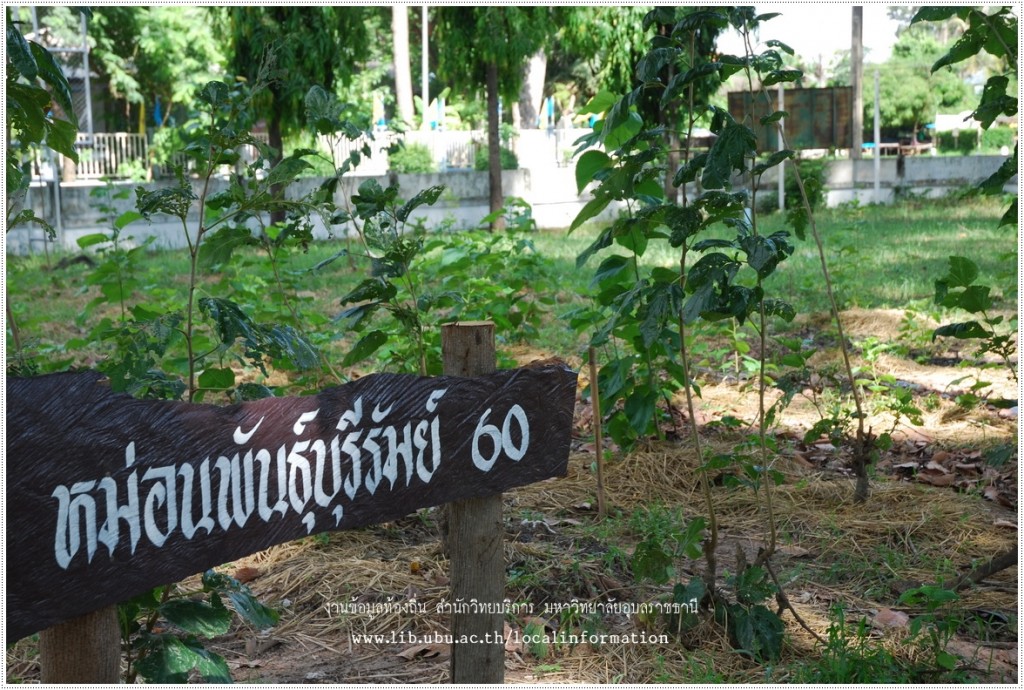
x=757, y=631
x=996, y=181
x=780, y=45
x=611, y=267
x=774, y=117
x=781, y=75
x=588, y=165
x=198, y=617
x=962, y=331
x=428, y=196
x=175, y=201
x=216, y=379
x=639, y=408
x=600, y=103
x=934, y=14
x=729, y=152
x=367, y=345
x=975, y=299
x=19, y=52
x=603, y=241
x=968, y=45
x=962, y=272
x=653, y=61
x=284, y=341
x=126, y=218
x=593, y=208
x=688, y=172
x=287, y=170
x=772, y=161
x=651, y=562
x=1010, y=217
x=217, y=248
x=617, y=136
x=214, y=93
x=169, y=660
x=92, y=239
x=994, y=102
x=60, y=137
x=50, y=72
x=680, y=81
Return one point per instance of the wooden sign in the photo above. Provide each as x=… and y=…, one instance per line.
x=109, y=496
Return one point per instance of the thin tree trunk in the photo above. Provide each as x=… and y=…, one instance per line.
x=531, y=95
x=277, y=143
x=497, y=199
x=857, y=79
x=403, y=71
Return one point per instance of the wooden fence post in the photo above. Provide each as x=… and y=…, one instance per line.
x=86, y=649
x=476, y=534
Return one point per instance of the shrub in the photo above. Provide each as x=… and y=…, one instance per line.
x=963, y=144
x=812, y=172
x=994, y=138
x=509, y=160
x=412, y=158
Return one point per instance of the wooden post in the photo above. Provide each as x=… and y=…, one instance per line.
x=86, y=649
x=476, y=534
x=595, y=400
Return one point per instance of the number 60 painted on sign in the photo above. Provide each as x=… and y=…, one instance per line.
x=501, y=439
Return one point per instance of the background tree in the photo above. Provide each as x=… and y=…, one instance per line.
x=403, y=71
x=318, y=45
x=911, y=94
x=488, y=46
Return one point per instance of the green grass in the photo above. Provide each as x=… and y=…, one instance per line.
x=880, y=257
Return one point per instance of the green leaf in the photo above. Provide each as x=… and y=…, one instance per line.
x=593, y=208
x=994, y=102
x=588, y=165
x=975, y=299
x=50, y=72
x=651, y=562
x=962, y=272
x=287, y=170
x=781, y=75
x=995, y=182
x=168, y=660
x=215, y=93
x=772, y=161
x=217, y=379
x=198, y=617
x=934, y=14
x=1010, y=217
x=780, y=45
x=217, y=248
x=428, y=196
x=774, y=117
x=175, y=201
x=367, y=345
x=19, y=52
x=92, y=239
x=611, y=267
x=650, y=64
x=600, y=103
x=962, y=331
x=729, y=152
x=126, y=218
x=968, y=45
x=757, y=631
x=681, y=81
x=60, y=137
x=639, y=408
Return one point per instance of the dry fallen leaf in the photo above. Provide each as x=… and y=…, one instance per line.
x=434, y=650
x=887, y=618
x=1005, y=523
x=940, y=456
x=246, y=574
x=937, y=479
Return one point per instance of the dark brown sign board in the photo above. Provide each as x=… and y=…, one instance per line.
x=817, y=118
x=109, y=496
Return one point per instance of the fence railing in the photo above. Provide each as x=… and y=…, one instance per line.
x=123, y=154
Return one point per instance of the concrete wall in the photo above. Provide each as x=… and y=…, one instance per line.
x=932, y=176
x=551, y=190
